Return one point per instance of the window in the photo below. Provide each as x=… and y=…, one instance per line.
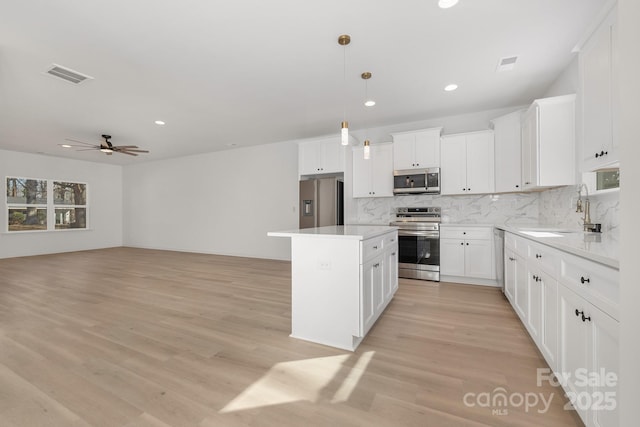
x=31, y=207
x=70, y=201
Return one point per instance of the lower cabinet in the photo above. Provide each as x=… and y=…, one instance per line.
x=467, y=252
x=379, y=279
x=561, y=299
x=588, y=360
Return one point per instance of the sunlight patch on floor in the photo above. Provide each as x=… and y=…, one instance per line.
x=302, y=380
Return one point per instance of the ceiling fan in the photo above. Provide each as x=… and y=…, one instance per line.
x=106, y=147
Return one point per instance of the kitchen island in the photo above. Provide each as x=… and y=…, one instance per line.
x=342, y=279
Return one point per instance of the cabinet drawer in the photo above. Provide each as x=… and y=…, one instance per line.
x=390, y=240
x=477, y=233
x=597, y=283
x=372, y=248
x=544, y=257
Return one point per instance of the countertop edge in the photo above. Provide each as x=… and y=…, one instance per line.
x=357, y=236
x=557, y=244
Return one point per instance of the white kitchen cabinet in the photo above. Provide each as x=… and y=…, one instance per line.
x=372, y=293
x=416, y=149
x=373, y=177
x=467, y=252
x=341, y=281
x=548, y=143
x=510, y=267
x=597, y=71
x=321, y=156
x=522, y=288
x=507, y=140
x=569, y=306
x=467, y=163
x=589, y=345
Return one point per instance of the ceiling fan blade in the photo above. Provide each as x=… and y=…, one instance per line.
x=88, y=149
x=125, y=146
x=81, y=142
x=135, y=151
x=126, y=152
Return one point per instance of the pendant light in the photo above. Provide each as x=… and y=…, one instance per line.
x=343, y=41
x=367, y=149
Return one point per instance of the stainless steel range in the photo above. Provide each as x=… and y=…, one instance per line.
x=418, y=242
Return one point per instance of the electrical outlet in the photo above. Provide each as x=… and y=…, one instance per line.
x=324, y=265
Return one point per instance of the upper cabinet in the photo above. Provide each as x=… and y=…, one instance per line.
x=416, y=149
x=373, y=177
x=321, y=156
x=548, y=143
x=467, y=163
x=597, y=71
x=508, y=166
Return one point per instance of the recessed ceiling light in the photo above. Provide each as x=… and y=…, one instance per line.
x=159, y=122
x=446, y=4
x=451, y=87
x=65, y=145
x=370, y=103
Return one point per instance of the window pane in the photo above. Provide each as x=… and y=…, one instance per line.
x=26, y=191
x=27, y=218
x=69, y=193
x=71, y=218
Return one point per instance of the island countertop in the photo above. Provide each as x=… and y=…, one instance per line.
x=355, y=232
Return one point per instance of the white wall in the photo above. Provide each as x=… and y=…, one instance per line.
x=221, y=203
x=105, y=205
x=629, y=70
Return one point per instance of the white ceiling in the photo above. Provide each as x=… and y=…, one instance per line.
x=253, y=72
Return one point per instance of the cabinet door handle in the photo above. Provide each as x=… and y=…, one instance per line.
x=464, y=189
x=467, y=243
x=376, y=265
x=538, y=256
x=468, y=189
x=583, y=280
x=601, y=154
x=527, y=183
x=578, y=312
x=461, y=243
x=517, y=186
x=534, y=277
x=511, y=259
x=585, y=318
x=375, y=247
x=393, y=254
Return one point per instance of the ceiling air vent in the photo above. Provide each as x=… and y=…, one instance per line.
x=67, y=74
x=507, y=63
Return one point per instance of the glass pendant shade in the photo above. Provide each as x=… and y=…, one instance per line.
x=367, y=150
x=345, y=133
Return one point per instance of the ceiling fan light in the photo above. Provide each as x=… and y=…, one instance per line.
x=345, y=133
x=446, y=4
x=106, y=150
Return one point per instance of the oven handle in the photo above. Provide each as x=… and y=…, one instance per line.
x=420, y=233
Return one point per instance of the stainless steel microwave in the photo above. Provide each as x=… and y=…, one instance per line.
x=416, y=181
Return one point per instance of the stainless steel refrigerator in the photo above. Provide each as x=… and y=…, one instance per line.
x=321, y=202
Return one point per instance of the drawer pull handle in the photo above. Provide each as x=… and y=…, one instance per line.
x=512, y=259
x=585, y=318
x=393, y=254
x=538, y=256
x=583, y=280
x=376, y=265
x=375, y=247
x=578, y=313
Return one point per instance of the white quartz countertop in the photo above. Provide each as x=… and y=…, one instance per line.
x=598, y=247
x=355, y=232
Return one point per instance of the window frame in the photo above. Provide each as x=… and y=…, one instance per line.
x=50, y=206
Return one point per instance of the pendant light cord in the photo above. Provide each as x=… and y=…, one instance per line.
x=344, y=83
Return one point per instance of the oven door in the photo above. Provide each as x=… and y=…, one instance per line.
x=419, y=254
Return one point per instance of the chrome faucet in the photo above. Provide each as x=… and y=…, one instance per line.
x=586, y=221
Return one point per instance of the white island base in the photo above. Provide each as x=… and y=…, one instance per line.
x=342, y=279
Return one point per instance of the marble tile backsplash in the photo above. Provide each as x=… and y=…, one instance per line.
x=551, y=207
x=480, y=209
x=558, y=207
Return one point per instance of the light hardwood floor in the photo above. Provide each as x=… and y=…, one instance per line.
x=134, y=337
